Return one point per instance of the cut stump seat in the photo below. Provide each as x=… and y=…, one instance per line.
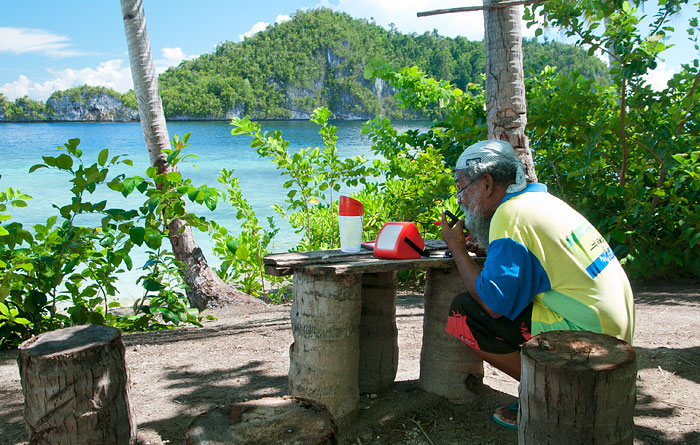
x=344, y=325
x=576, y=387
x=76, y=387
x=271, y=420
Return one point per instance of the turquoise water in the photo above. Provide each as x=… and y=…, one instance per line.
x=23, y=145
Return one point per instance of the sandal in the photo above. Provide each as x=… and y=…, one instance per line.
x=507, y=417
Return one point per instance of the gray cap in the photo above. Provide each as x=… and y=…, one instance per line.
x=486, y=153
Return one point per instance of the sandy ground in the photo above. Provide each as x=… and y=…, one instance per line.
x=178, y=374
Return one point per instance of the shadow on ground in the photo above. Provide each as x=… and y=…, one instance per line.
x=676, y=292
x=204, y=392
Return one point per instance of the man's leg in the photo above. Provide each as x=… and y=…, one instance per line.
x=495, y=340
x=508, y=363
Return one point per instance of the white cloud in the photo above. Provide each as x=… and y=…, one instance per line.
x=281, y=18
x=113, y=74
x=25, y=40
x=658, y=78
x=261, y=26
x=171, y=57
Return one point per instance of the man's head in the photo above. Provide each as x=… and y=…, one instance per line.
x=484, y=173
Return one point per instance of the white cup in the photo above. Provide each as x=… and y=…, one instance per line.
x=350, y=233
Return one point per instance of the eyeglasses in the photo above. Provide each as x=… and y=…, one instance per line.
x=458, y=195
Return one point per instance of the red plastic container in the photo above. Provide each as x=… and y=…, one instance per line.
x=348, y=206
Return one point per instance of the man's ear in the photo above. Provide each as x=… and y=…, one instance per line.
x=490, y=185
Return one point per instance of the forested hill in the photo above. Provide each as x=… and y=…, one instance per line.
x=284, y=72
x=318, y=58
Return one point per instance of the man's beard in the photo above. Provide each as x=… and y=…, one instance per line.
x=476, y=223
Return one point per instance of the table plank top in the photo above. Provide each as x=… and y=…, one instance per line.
x=337, y=262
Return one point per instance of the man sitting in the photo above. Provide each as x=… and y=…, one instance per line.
x=547, y=267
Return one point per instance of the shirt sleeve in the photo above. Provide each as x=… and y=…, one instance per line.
x=511, y=278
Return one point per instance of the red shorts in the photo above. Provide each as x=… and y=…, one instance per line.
x=472, y=325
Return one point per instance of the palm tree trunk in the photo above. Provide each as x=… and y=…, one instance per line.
x=206, y=289
x=506, y=110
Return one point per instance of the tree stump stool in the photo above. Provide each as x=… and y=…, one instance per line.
x=272, y=420
x=379, y=347
x=576, y=387
x=324, y=358
x=448, y=368
x=76, y=387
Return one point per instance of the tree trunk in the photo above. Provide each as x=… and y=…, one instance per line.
x=506, y=110
x=576, y=387
x=448, y=368
x=379, y=347
x=271, y=420
x=206, y=289
x=324, y=358
x=76, y=387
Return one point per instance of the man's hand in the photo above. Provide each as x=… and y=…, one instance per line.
x=453, y=234
x=475, y=248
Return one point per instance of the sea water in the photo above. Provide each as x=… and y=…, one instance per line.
x=23, y=145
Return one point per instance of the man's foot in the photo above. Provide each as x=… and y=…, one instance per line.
x=507, y=416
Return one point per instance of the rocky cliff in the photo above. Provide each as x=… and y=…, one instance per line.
x=101, y=107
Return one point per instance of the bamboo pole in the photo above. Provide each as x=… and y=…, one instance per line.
x=478, y=8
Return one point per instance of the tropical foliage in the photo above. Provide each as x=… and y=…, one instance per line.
x=623, y=154
x=62, y=273
x=291, y=68
x=22, y=109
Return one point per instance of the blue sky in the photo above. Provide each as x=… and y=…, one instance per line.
x=54, y=45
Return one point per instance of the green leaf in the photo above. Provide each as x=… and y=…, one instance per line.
x=64, y=162
x=175, y=177
x=152, y=285
x=127, y=260
x=37, y=167
x=242, y=252
x=211, y=202
x=102, y=157
x=232, y=246
x=153, y=238
x=694, y=240
x=96, y=318
x=169, y=315
x=136, y=235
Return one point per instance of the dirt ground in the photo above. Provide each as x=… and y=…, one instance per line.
x=178, y=374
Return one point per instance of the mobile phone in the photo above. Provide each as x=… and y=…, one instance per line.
x=452, y=217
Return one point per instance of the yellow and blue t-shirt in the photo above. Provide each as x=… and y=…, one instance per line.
x=543, y=251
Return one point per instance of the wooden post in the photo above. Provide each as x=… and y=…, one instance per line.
x=76, y=387
x=448, y=368
x=288, y=420
x=324, y=358
x=379, y=347
x=576, y=387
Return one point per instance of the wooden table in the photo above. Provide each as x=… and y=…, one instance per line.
x=344, y=325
